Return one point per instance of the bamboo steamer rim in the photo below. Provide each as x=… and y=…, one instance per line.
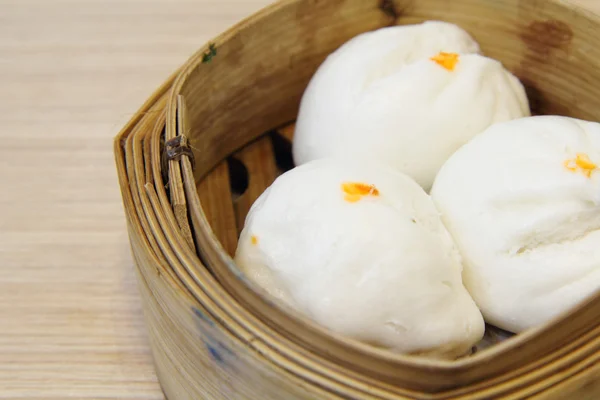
x=182, y=80
x=191, y=265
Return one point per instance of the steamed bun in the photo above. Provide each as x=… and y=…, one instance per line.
x=522, y=201
x=407, y=96
x=360, y=249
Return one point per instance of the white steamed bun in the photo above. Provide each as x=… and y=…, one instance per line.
x=361, y=250
x=382, y=96
x=522, y=201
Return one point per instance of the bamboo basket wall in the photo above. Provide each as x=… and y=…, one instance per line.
x=218, y=132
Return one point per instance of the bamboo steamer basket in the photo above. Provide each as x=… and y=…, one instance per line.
x=218, y=132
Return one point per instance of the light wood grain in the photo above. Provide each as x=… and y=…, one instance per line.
x=72, y=73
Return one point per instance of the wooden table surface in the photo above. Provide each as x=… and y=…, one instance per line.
x=72, y=73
